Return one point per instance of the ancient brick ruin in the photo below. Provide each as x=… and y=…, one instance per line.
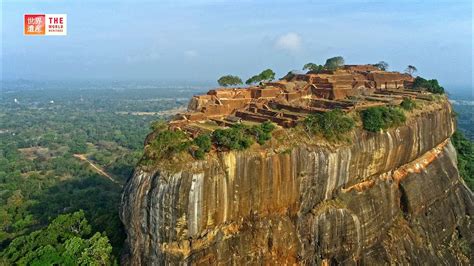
x=286, y=101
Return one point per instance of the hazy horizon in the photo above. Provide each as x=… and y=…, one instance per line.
x=200, y=41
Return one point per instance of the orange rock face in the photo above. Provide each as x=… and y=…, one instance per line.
x=392, y=197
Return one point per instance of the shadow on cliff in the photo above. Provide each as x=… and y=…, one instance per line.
x=98, y=197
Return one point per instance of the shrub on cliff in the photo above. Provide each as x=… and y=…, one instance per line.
x=332, y=125
x=431, y=85
x=408, y=104
x=168, y=142
x=382, y=117
x=158, y=125
x=229, y=80
x=240, y=137
x=234, y=138
x=465, y=150
x=204, y=143
x=262, y=132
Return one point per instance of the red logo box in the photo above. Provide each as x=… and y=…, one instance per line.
x=35, y=24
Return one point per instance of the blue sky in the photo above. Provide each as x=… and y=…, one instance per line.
x=201, y=40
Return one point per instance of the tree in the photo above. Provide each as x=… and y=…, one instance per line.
x=334, y=62
x=382, y=65
x=96, y=251
x=79, y=146
x=313, y=67
x=465, y=155
x=204, y=144
x=332, y=125
x=158, y=125
x=262, y=132
x=431, y=85
x=229, y=80
x=381, y=117
x=266, y=75
x=63, y=242
x=168, y=143
x=411, y=69
x=408, y=104
x=233, y=138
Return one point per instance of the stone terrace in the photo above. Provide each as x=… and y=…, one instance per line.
x=295, y=96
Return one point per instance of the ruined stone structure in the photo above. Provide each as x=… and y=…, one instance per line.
x=384, y=198
x=287, y=100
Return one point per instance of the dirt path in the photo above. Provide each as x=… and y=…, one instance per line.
x=98, y=169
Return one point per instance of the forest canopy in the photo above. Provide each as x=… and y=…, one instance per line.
x=67, y=240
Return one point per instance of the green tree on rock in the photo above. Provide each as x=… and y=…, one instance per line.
x=377, y=118
x=431, y=85
x=313, y=67
x=204, y=144
x=411, y=69
x=229, y=80
x=382, y=65
x=266, y=75
x=159, y=125
x=168, y=143
x=332, y=124
x=233, y=138
x=334, y=63
x=262, y=132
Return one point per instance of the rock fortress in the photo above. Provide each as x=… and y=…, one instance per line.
x=214, y=188
x=286, y=101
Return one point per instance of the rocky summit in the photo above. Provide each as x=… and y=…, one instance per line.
x=389, y=196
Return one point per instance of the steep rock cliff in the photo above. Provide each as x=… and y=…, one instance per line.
x=393, y=196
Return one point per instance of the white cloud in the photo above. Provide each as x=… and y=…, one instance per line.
x=290, y=41
x=191, y=53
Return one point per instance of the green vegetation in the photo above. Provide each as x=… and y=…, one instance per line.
x=411, y=69
x=431, y=85
x=241, y=137
x=41, y=180
x=229, y=80
x=332, y=125
x=408, y=104
x=376, y=118
x=233, y=138
x=266, y=75
x=382, y=65
x=39, y=176
x=334, y=63
x=262, y=132
x=66, y=241
x=167, y=143
x=204, y=144
x=313, y=67
x=464, y=114
x=465, y=150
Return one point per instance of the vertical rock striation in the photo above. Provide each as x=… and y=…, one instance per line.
x=389, y=197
